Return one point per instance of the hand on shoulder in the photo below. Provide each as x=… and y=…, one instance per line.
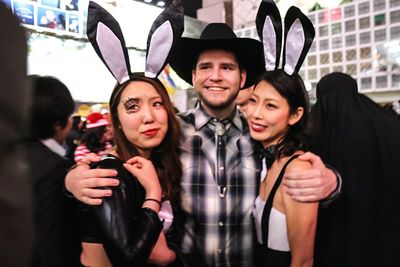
x=306, y=184
x=84, y=183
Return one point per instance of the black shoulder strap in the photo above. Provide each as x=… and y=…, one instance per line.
x=269, y=202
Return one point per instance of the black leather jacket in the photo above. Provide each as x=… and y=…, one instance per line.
x=127, y=231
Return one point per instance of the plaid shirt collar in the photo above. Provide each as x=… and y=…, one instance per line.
x=201, y=118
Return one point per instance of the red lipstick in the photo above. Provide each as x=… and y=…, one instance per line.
x=150, y=132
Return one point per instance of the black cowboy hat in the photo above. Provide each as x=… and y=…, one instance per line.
x=249, y=52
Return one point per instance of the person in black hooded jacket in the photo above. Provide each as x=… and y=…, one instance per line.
x=362, y=141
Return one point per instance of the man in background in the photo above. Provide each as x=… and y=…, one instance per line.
x=56, y=241
x=242, y=99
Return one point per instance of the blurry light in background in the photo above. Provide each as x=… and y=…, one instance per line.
x=306, y=5
x=329, y=3
x=161, y=3
x=393, y=46
x=308, y=86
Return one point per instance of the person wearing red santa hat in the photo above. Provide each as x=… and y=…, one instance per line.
x=96, y=138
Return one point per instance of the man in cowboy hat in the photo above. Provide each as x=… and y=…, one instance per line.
x=220, y=163
x=221, y=169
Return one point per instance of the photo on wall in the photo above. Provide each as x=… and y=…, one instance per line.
x=71, y=5
x=62, y=4
x=51, y=3
x=73, y=23
x=61, y=16
x=25, y=12
x=51, y=18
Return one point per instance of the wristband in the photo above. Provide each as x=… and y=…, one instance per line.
x=154, y=200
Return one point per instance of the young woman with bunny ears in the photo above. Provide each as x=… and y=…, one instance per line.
x=277, y=114
x=125, y=229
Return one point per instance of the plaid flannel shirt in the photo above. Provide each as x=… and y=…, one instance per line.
x=220, y=229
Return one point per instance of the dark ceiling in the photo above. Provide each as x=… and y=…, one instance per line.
x=190, y=6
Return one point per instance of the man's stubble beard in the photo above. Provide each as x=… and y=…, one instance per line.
x=219, y=106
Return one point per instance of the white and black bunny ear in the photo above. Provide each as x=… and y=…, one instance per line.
x=166, y=30
x=105, y=35
x=269, y=28
x=299, y=35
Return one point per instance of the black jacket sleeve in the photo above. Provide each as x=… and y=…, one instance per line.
x=129, y=231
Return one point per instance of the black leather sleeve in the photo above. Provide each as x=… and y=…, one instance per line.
x=324, y=203
x=129, y=232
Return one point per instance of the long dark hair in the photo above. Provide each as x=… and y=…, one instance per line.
x=92, y=139
x=164, y=157
x=293, y=90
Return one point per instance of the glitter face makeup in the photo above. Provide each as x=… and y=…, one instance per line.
x=131, y=104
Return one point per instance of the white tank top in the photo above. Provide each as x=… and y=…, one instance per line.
x=277, y=232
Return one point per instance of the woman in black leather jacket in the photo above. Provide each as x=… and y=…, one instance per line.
x=127, y=224
x=126, y=229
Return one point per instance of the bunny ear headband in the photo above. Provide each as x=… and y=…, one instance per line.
x=299, y=35
x=105, y=35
